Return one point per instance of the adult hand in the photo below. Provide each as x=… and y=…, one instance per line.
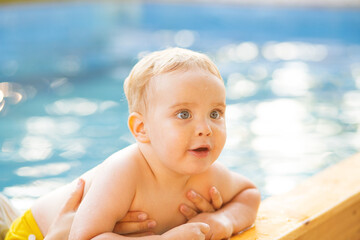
x=201, y=204
x=134, y=223
x=60, y=227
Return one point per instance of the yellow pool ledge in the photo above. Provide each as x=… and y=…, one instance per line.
x=325, y=206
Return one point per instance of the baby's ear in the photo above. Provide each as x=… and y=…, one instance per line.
x=137, y=127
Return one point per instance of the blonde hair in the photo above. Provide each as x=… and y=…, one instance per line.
x=159, y=62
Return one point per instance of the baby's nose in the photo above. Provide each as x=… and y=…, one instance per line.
x=203, y=129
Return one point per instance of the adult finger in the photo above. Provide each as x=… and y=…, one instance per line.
x=200, y=202
x=123, y=228
x=135, y=216
x=216, y=198
x=187, y=211
x=75, y=198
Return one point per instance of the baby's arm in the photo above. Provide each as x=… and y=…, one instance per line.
x=107, y=200
x=238, y=213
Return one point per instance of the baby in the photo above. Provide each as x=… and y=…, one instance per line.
x=177, y=107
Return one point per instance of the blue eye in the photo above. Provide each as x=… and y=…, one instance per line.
x=183, y=115
x=215, y=114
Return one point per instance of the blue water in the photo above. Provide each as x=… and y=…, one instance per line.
x=292, y=75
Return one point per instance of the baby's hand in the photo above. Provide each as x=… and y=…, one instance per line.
x=220, y=226
x=193, y=231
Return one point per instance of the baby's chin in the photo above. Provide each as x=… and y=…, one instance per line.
x=197, y=170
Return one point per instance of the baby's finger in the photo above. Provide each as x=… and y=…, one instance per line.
x=75, y=198
x=187, y=211
x=123, y=228
x=135, y=216
x=200, y=202
x=204, y=228
x=216, y=198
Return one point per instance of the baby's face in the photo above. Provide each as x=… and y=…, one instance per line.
x=185, y=119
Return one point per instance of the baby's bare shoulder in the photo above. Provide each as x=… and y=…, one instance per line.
x=219, y=172
x=122, y=163
x=119, y=163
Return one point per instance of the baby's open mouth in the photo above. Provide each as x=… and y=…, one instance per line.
x=201, y=149
x=200, y=152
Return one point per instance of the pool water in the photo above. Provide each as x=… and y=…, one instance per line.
x=292, y=78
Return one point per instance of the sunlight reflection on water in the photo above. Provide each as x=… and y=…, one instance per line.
x=295, y=51
x=291, y=80
x=46, y=170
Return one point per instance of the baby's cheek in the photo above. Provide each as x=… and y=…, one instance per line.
x=222, y=137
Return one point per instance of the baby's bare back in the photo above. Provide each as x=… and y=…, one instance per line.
x=46, y=208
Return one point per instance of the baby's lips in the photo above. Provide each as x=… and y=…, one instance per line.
x=201, y=148
x=200, y=151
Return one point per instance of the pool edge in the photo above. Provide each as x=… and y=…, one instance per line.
x=325, y=206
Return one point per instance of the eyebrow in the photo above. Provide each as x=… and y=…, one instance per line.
x=187, y=104
x=181, y=104
x=223, y=105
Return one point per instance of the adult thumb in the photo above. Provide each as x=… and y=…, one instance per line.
x=72, y=203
